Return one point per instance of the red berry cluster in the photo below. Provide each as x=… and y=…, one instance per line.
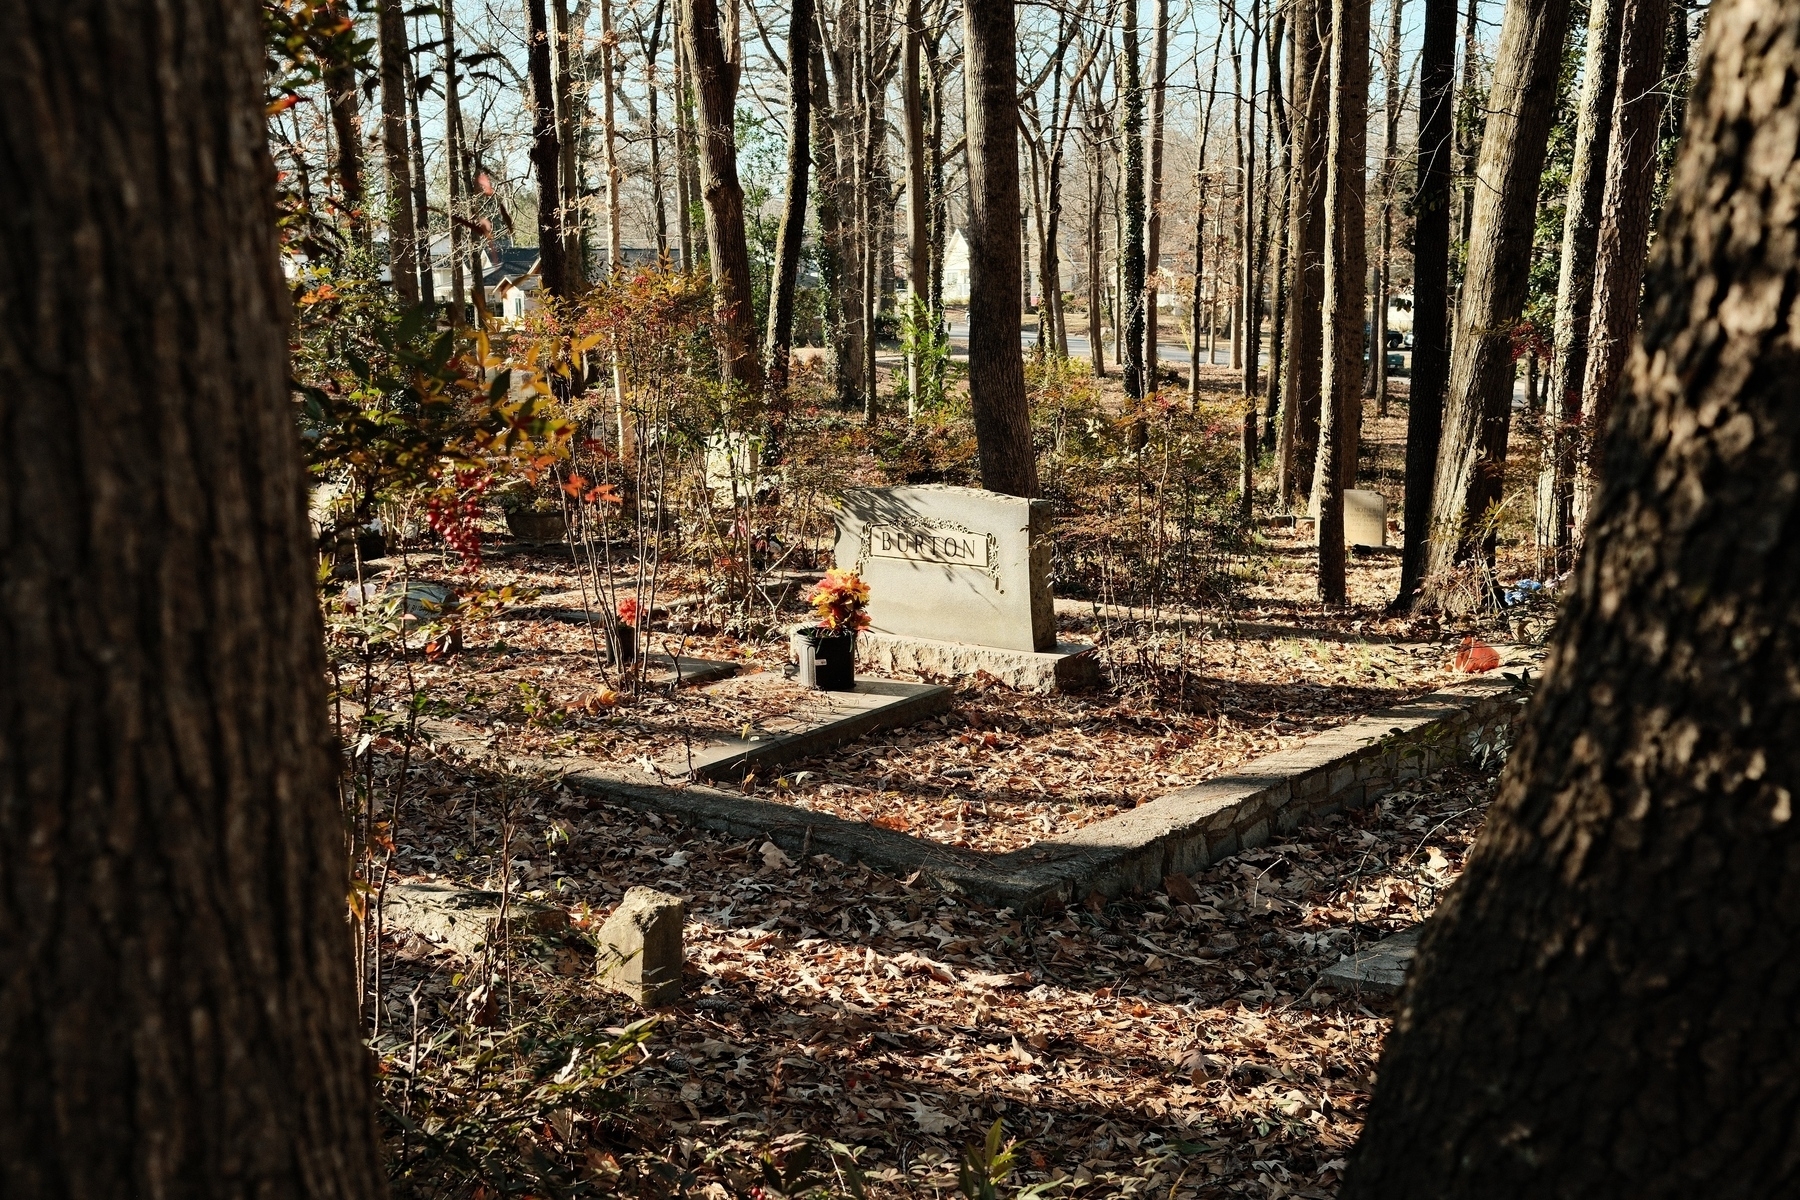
x=455, y=513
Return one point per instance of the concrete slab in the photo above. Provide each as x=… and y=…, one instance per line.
x=826, y=721
x=465, y=919
x=1379, y=970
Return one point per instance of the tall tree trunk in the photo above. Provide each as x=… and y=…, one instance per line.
x=569, y=174
x=1625, y=208
x=1201, y=179
x=403, y=250
x=715, y=86
x=1250, y=319
x=1159, y=103
x=1575, y=291
x=546, y=155
x=1390, y=167
x=834, y=238
x=684, y=196
x=609, y=150
x=1277, y=279
x=1346, y=270
x=1431, y=289
x=345, y=104
x=1306, y=245
x=788, y=241
x=420, y=200
x=1603, y=1005
x=179, y=1015
x=1095, y=256
x=659, y=201
x=918, y=214
x=1478, y=408
x=1131, y=195
x=996, y=368
x=454, y=213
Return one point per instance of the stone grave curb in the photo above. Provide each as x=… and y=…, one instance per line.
x=1347, y=767
x=1179, y=833
x=908, y=703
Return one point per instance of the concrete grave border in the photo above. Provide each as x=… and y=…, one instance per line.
x=1179, y=833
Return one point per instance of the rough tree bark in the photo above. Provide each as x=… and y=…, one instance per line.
x=569, y=173
x=420, y=201
x=1575, y=290
x=454, y=215
x=715, y=87
x=1346, y=287
x=403, y=250
x=1603, y=1006
x=1306, y=249
x=546, y=155
x=1625, y=209
x=1478, y=407
x=1431, y=289
x=780, y=340
x=996, y=367
x=178, y=1016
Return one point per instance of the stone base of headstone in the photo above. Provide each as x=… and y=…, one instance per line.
x=1380, y=970
x=465, y=919
x=1071, y=666
x=639, y=946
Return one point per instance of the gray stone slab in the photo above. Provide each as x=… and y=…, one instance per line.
x=829, y=720
x=465, y=919
x=1365, y=518
x=1071, y=665
x=1379, y=970
x=952, y=564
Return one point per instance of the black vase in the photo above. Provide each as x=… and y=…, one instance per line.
x=621, y=643
x=828, y=660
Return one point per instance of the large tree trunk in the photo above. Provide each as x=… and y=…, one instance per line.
x=546, y=155
x=1603, y=1006
x=1095, y=259
x=1478, y=408
x=684, y=195
x=1390, y=167
x=1346, y=262
x=1625, y=209
x=1131, y=197
x=454, y=214
x=1250, y=286
x=1575, y=291
x=786, y=283
x=1431, y=290
x=996, y=368
x=403, y=250
x=179, y=1012
x=715, y=87
x=1306, y=247
x=609, y=154
x=834, y=239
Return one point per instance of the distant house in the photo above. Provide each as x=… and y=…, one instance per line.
x=956, y=270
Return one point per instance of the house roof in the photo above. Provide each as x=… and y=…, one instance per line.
x=515, y=263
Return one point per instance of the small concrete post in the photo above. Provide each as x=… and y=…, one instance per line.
x=639, y=947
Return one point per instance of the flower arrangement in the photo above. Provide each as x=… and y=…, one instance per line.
x=628, y=611
x=841, y=601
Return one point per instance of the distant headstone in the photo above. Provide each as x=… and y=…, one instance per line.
x=1380, y=969
x=640, y=947
x=952, y=564
x=1365, y=518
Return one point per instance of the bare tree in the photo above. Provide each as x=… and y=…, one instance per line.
x=996, y=368
x=1478, y=407
x=785, y=284
x=1346, y=262
x=1431, y=289
x=715, y=88
x=1159, y=103
x=546, y=154
x=1294, y=461
x=1575, y=289
x=403, y=250
x=1603, y=1005
x=1625, y=209
x=179, y=1015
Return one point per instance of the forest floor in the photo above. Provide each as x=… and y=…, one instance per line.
x=837, y=1020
